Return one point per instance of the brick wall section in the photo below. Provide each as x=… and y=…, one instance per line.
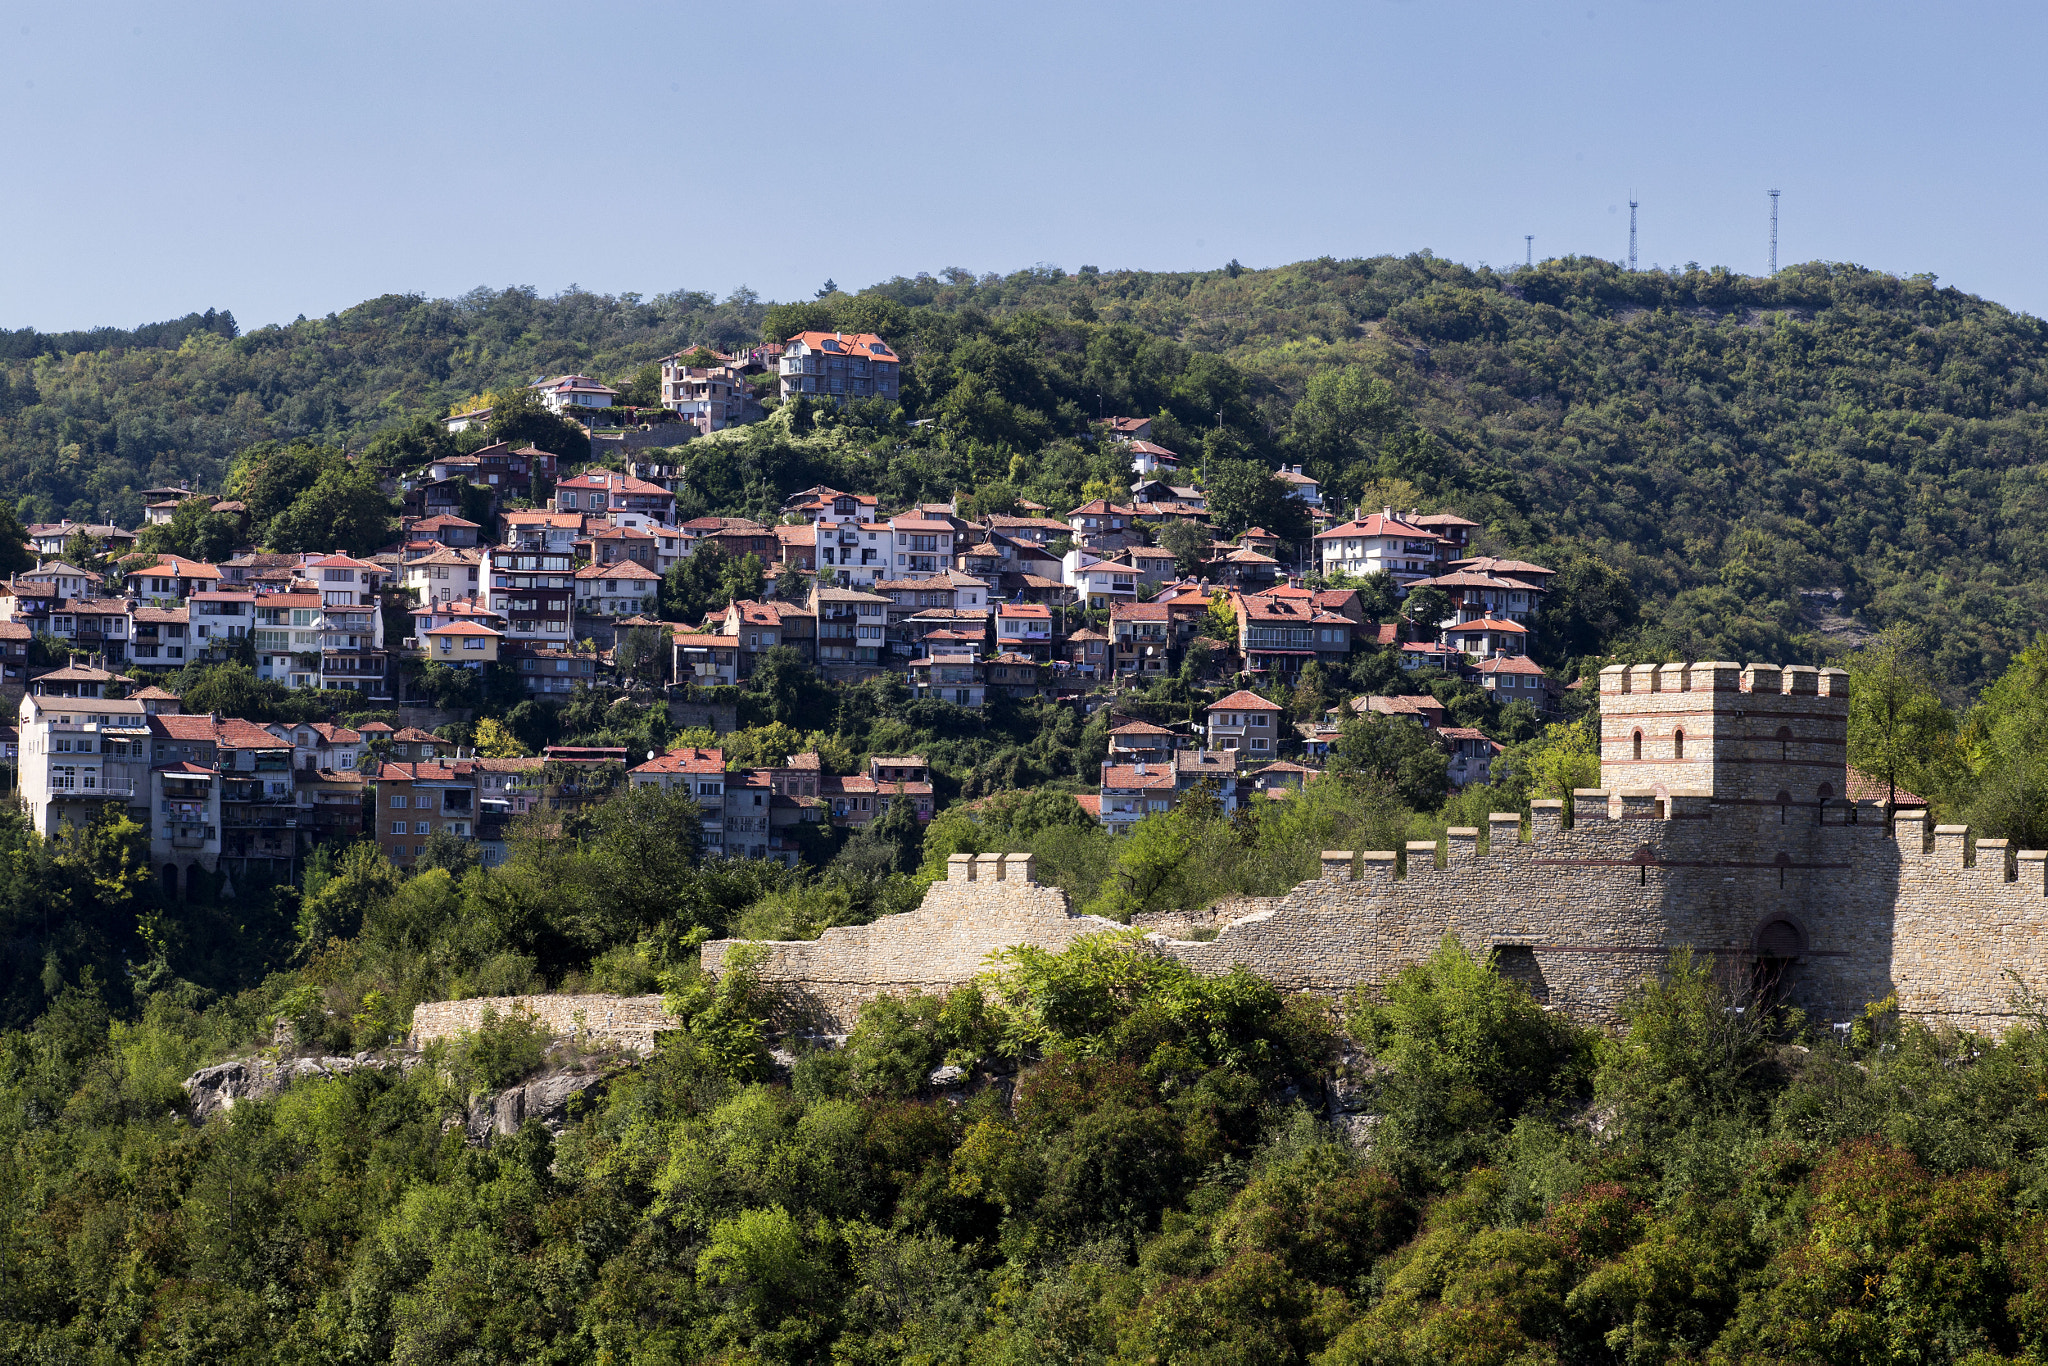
x=626, y=1021
x=987, y=903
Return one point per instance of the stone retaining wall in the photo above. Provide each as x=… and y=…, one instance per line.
x=624, y=1021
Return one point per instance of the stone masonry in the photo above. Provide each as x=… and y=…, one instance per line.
x=988, y=902
x=1721, y=830
x=629, y=1022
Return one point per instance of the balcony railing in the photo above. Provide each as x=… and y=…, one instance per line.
x=90, y=794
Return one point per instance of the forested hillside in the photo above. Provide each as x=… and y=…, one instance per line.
x=1724, y=441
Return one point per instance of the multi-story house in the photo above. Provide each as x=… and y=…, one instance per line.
x=534, y=590
x=761, y=626
x=621, y=589
x=609, y=493
x=414, y=800
x=709, y=398
x=444, y=574
x=821, y=504
x=1382, y=541
x=1244, y=569
x=1024, y=628
x=1099, y=582
x=161, y=637
x=576, y=395
x=700, y=772
x=1305, y=487
x=924, y=546
x=1509, y=677
x=264, y=819
x=461, y=645
x=705, y=658
x=94, y=626
x=839, y=367
x=172, y=579
x=1014, y=675
x=1479, y=595
x=220, y=620
x=1130, y=792
x=78, y=753
x=1246, y=723
x=453, y=532
x=1143, y=638
x=855, y=554
x=552, y=531
x=859, y=798
x=1101, y=524
x=613, y=544
x=287, y=634
x=1484, y=638
x=318, y=745
x=1472, y=755
x=1087, y=653
x=852, y=630
x=957, y=678
x=68, y=580
x=1279, y=632
x=14, y=641
x=1038, y=530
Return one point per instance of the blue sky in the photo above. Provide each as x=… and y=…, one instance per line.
x=285, y=159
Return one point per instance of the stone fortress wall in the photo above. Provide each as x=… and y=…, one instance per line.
x=1722, y=829
x=628, y=1022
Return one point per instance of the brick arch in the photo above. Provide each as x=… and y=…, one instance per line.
x=1780, y=936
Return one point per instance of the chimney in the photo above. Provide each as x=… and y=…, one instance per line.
x=1387, y=512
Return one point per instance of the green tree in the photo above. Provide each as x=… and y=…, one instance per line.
x=1899, y=732
x=1427, y=608
x=1244, y=494
x=15, y=555
x=1188, y=542
x=785, y=689
x=1397, y=751
x=519, y=416
x=343, y=510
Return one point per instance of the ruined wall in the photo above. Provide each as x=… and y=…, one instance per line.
x=988, y=902
x=1821, y=900
x=624, y=1021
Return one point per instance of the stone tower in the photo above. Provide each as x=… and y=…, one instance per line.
x=1756, y=735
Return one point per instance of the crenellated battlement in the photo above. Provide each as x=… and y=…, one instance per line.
x=1820, y=899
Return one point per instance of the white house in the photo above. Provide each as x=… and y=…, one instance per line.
x=1381, y=541
x=572, y=392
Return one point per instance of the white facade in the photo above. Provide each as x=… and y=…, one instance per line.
x=77, y=753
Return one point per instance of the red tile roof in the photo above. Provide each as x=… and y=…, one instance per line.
x=1242, y=700
x=686, y=760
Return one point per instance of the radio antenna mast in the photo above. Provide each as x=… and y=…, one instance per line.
x=1631, y=231
x=1529, y=244
x=1774, y=232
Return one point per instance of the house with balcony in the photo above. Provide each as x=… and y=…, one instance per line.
x=453, y=532
x=704, y=658
x=69, y=581
x=265, y=821
x=1478, y=595
x=1142, y=637
x=1099, y=582
x=415, y=800
x=76, y=680
x=621, y=589
x=838, y=367
x=184, y=825
x=957, y=678
x=161, y=638
x=1024, y=628
x=1132, y=791
x=554, y=532
x=1102, y=525
x=533, y=589
x=576, y=395
x=1302, y=486
x=857, y=799
x=1485, y=638
x=318, y=745
x=1086, y=653
x=171, y=580
x=608, y=493
x=1380, y=542
x=1278, y=633
x=101, y=627
x=287, y=633
x=220, y=620
x=1246, y=724
x=924, y=546
x=75, y=754
x=709, y=398
x=1512, y=677
x=1472, y=754
x=852, y=631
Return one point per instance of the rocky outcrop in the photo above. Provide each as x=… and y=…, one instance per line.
x=215, y=1090
x=546, y=1098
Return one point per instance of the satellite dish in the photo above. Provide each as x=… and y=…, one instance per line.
x=650, y=756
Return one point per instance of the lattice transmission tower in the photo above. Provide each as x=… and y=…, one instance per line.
x=1631, y=230
x=1774, y=232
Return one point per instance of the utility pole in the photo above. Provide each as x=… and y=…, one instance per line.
x=1631, y=231
x=1774, y=232
x=1529, y=245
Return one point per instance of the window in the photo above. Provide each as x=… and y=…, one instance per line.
x=1678, y=745
x=419, y=827
x=1637, y=741
x=397, y=803
x=398, y=828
